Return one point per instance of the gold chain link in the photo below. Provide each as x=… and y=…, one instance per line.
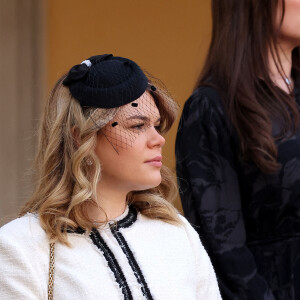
x=51, y=272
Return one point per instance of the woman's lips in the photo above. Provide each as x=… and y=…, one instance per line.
x=156, y=161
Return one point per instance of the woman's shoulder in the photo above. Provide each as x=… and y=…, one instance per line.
x=190, y=231
x=205, y=98
x=24, y=259
x=183, y=230
x=205, y=105
x=182, y=238
x=204, y=110
x=26, y=228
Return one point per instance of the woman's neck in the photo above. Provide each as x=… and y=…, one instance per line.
x=110, y=204
x=280, y=68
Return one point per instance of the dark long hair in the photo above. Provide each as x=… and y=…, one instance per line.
x=244, y=33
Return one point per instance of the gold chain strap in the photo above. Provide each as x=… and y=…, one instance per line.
x=51, y=272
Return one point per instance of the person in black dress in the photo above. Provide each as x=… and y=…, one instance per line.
x=238, y=150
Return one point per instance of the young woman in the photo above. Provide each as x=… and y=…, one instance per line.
x=100, y=225
x=238, y=150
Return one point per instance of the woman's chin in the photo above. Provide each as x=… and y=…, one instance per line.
x=148, y=185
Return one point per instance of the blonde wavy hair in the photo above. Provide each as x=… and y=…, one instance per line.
x=66, y=179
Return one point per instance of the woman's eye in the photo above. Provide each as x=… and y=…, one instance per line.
x=138, y=126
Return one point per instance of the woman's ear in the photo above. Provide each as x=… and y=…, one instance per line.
x=75, y=134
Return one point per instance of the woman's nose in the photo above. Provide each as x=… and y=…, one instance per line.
x=155, y=139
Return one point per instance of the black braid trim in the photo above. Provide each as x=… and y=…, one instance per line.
x=124, y=223
x=132, y=262
x=112, y=263
x=78, y=230
x=128, y=220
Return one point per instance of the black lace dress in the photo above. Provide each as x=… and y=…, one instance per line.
x=248, y=221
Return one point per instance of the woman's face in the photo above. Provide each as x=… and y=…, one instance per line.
x=290, y=28
x=129, y=147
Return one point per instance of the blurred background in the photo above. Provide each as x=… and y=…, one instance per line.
x=41, y=39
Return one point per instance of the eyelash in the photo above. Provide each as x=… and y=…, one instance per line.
x=141, y=125
x=138, y=126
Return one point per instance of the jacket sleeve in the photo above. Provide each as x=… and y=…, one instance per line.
x=207, y=285
x=19, y=276
x=209, y=188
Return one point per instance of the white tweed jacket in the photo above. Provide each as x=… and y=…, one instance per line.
x=139, y=258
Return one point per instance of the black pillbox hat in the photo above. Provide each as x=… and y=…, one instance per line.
x=106, y=81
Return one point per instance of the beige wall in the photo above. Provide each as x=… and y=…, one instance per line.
x=169, y=38
x=21, y=92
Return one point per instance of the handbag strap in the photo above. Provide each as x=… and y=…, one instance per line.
x=51, y=272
